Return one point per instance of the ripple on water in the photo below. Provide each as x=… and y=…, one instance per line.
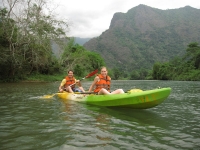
x=28, y=122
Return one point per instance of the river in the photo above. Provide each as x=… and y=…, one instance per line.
x=29, y=122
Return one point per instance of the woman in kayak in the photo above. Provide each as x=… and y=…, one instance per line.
x=102, y=83
x=68, y=84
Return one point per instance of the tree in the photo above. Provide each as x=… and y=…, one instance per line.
x=156, y=68
x=28, y=34
x=95, y=61
x=116, y=73
x=180, y=68
x=79, y=71
x=193, y=55
x=77, y=57
x=134, y=75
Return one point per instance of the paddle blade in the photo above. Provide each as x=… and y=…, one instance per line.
x=92, y=73
x=48, y=96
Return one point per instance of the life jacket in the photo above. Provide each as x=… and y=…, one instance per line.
x=70, y=81
x=103, y=83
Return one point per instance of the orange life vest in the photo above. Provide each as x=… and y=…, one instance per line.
x=103, y=83
x=70, y=81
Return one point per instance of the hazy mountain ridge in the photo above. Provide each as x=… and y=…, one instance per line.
x=144, y=35
x=57, y=51
x=81, y=41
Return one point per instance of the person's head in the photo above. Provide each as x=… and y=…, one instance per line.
x=104, y=71
x=70, y=73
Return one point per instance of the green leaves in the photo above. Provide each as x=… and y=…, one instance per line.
x=180, y=68
x=25, y=40
x=79, y=59
x=193, y=54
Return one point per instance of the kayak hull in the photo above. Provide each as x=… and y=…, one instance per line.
x=137, y=100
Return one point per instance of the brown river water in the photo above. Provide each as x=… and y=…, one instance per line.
x=29, y=122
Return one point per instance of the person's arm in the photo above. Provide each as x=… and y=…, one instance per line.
x=93, y=83
x=78, y=82
x=61, y=85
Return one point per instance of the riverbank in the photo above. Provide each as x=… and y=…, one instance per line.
x=44, y=78
x=48, y=78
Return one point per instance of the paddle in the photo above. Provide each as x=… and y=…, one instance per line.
x=89, y=75
x=84, y=92
x=48, y=96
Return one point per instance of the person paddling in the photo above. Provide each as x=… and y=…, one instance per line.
x=102, y=83
x=69, y=82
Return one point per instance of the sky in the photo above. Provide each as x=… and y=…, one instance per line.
x=89, y=18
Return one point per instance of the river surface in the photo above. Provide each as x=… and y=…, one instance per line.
x=29, y=122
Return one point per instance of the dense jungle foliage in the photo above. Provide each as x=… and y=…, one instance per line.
x=25, y=44
x=144, y=35
x=180, y=68
x=26, y=51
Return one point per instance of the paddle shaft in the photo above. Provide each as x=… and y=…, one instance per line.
x=75, y=82
x=85, y=93
x=89, y=75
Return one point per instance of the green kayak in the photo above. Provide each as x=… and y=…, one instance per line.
x=135, y=98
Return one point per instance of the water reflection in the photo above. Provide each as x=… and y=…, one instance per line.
x=139, y=117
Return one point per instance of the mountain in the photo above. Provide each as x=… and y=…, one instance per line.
x=57, y=51
x=144, y=35
x=81, y=41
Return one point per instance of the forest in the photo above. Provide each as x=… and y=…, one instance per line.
x=143, y=36
x=186, y=68
x=26, y=35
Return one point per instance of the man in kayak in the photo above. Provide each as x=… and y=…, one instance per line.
x=68, y=84
x=102, y=83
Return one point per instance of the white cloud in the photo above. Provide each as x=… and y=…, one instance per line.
x=89, y=18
